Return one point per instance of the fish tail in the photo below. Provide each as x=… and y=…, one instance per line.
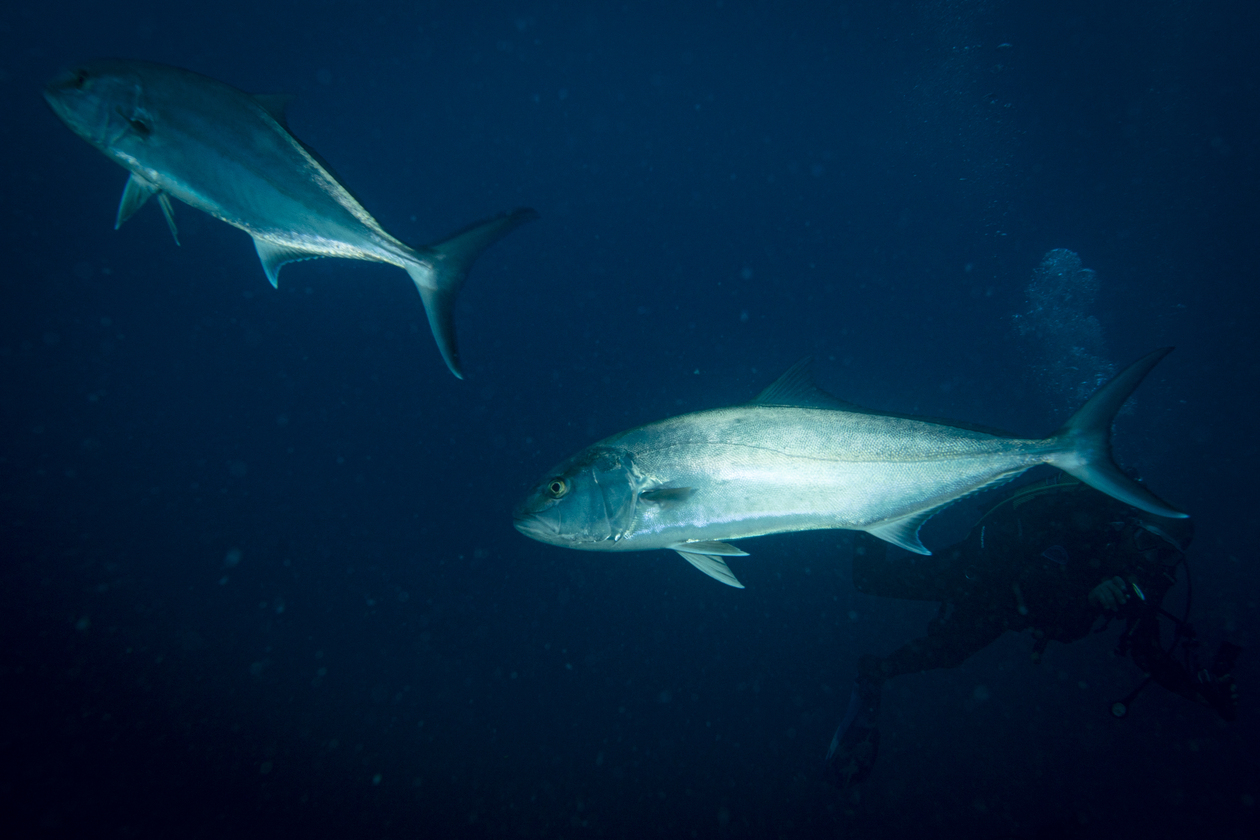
x=1082, y=448
x=440, y=270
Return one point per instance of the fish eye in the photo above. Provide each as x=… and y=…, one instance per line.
x=80, y=79
x=557, y=487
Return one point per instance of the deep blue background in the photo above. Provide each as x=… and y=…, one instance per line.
x=724, y=188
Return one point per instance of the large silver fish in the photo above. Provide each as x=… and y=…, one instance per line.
x=798, y=459
x=231, y=154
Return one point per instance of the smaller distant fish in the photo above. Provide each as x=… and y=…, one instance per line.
x=231, y=154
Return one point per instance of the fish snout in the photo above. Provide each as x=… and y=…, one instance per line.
x=526, y=519
x=55, y=95
x=73, y=103
x=64, y=85
x=532, y=526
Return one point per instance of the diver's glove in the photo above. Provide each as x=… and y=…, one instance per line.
x=1110, y=595
x=855, y=745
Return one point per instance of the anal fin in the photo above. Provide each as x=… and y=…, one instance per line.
x=273, y=255
x=904, y=532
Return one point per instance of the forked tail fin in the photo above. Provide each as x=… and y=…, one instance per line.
x=1085, y=440
x=443, y=269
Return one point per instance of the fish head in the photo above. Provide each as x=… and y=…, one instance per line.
x=587, y=502
x=103, y=102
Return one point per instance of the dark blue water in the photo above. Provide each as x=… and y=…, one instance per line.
x=259, y=573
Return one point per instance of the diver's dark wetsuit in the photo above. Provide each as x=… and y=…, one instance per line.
x=1034, y=562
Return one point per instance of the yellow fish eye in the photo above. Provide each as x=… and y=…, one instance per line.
x=557, y=487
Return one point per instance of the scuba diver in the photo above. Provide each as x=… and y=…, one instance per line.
x=1054, y=558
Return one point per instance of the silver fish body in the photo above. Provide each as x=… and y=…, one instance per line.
x=230, y=154
x=797, y=459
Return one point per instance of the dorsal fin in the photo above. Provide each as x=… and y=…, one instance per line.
x=275, y=104
x=796, y=388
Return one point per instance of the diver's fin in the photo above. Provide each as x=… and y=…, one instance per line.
x=273, y=256
x=441, y=269
x=169, y=212
x=904, y=531
x=712, y=566
x=135, y=194
x=1084, y=442
x=855, y=745
x=710, y=547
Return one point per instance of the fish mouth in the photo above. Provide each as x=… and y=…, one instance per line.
x=531, y=526
x=62, y=94
x=64, y=83
x=55, y=96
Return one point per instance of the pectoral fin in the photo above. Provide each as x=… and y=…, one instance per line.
x=667, y=495
x=712, y=566
x=273, y=256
